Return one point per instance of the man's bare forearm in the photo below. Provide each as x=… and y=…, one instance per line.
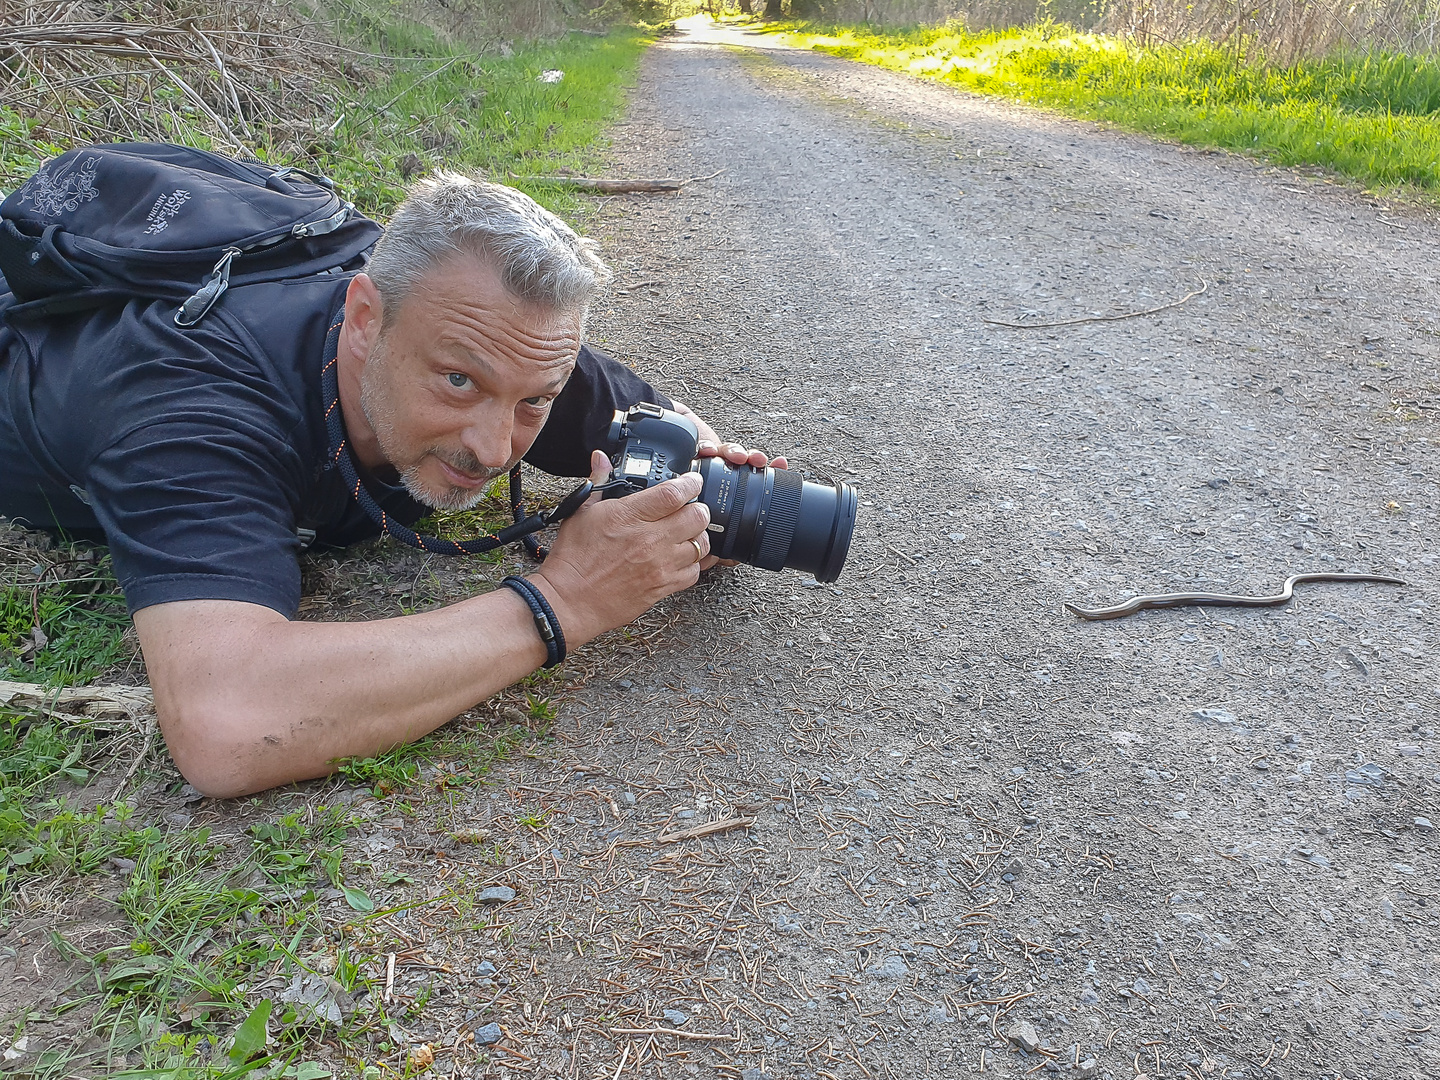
x=258, y=701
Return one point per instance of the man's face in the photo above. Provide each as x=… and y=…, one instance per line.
x=458, y=387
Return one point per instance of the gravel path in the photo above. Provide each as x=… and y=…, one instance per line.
x=1192, y=843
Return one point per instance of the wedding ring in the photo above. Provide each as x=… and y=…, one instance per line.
x=699, y=551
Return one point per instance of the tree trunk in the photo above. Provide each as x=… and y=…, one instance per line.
x=773, y=10
x=745, y=8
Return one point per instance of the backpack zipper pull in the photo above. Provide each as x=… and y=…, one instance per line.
x=194, y=309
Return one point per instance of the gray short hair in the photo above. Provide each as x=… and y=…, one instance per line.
x=538, y=257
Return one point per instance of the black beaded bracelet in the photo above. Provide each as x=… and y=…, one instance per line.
x=545, y=621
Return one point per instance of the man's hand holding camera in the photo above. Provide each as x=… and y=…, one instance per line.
x=616, y=558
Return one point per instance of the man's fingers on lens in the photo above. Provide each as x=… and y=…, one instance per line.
x=662, y=500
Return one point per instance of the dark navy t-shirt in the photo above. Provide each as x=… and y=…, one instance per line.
x=198, y=454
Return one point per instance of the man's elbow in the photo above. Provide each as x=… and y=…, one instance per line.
x=224, y=753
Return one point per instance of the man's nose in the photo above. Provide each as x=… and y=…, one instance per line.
x=487, y=436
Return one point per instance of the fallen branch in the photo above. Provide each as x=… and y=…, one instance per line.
x=1100, y=318
x=133, y=702
x=612, y=187
x=707, y=829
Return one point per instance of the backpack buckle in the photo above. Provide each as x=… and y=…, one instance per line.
x=195, y=309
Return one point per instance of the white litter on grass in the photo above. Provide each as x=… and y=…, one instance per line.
x=553, y=75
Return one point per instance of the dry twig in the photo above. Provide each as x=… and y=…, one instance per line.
x=1204, y=285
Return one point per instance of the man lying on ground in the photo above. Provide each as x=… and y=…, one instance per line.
x=199, y=455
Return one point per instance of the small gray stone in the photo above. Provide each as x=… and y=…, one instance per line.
x=892, y=967
x=496, y=894
x=1023, y=1034
x=1366, y=775
x=1143, y=988
x=1214, y=716
x=488, y=1035
x=936, y=1014
x=787, y=924
x=485, y=970
x=1089, y=997
x=627, y=798
x=754, y=1073
x=1423, y=823
x=318, y=998
x=1088, y=1067
x=867, y=793
x=674, y=1017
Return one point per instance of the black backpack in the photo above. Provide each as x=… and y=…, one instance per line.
x=109, y=222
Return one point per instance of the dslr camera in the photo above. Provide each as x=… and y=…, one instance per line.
x=770, y=518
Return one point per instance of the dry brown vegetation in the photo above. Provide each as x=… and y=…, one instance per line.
x=240, y=72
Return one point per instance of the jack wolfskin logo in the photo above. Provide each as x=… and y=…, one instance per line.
x=165, y=208
x=62, y=190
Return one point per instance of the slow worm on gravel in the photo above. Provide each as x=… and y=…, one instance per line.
x=1186, y=599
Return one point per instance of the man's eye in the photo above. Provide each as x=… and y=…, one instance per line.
x=537, y=402
x=458, y=380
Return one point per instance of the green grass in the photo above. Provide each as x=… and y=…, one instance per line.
x=65, y=627
x=206, y=917
x=1374, y=118
x=488, y=114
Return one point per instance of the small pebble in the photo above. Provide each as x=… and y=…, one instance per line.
x=892, y=967
x=488, y=1035
x=496, y=894
x=674, y=1017
x=1023, y=1034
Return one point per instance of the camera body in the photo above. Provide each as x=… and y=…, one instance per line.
x=770, y=518
x=654, y=445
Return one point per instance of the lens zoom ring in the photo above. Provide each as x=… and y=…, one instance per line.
x=781, y=520
x=735, y=511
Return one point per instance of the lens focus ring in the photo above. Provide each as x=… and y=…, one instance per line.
x=780, y=521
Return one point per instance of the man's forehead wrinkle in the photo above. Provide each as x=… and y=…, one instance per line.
x=481, y=325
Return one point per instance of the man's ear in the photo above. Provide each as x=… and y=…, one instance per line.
x=364, y=318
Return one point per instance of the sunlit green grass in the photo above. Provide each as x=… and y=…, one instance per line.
x=1374, y=118
x=490, y=114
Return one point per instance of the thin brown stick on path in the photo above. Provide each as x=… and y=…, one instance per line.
x=708, y=829
x=695, y=1036
x=1204, y=285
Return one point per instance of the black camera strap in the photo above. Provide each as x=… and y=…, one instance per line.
x=340, y=457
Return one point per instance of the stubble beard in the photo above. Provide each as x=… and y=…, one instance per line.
x=380, y=416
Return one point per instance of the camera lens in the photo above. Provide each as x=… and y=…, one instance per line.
x=775, y=520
